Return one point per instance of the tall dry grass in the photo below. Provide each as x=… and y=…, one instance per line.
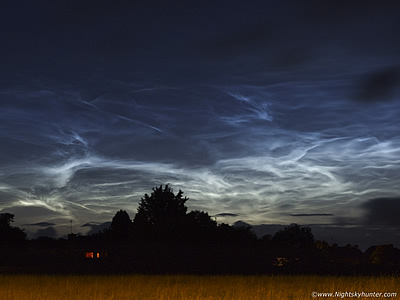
x=24, y=287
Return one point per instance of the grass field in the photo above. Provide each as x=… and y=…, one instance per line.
x=21, y=287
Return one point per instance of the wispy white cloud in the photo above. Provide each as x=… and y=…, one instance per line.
x=255, y=125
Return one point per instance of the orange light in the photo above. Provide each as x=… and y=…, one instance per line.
x=89, y=254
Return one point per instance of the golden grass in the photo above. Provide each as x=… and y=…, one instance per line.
x=27, y=287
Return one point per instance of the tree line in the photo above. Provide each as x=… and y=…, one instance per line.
x=164, y=237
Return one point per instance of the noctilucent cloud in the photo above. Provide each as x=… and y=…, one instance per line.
x=268, y=112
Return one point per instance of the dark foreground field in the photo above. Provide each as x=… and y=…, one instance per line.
x=23, y=287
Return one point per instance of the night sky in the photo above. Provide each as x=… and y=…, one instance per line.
x=268, y=112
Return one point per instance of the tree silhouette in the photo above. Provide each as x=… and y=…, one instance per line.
x=162, y=207
x=294, y=237
x=6, y=219
x=383, y=258
x=201, y=220
x=162, y=214
x=295, y=246
x=8, y=233
x=121, y=225
x=200, y=227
